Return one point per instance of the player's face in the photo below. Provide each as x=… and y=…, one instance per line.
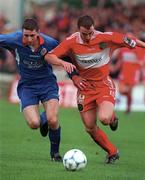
x=30, y=37
x=86, y=34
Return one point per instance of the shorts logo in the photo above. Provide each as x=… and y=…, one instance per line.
x=43, y=51
x=80, y=102
x=80, y=107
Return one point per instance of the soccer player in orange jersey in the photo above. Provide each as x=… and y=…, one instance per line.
x=132, y=61
x=91, y=51
x=143, y=77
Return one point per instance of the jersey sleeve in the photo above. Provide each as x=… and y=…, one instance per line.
x=114, y=37
x=120, y=39
x=7, y=40
x=62, y=49
x=51, y=43
x=55, y=43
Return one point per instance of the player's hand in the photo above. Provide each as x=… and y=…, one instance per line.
x=79, y=82
x=68, y=67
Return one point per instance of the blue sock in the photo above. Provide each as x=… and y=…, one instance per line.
x=43, y=118
x=54, y=136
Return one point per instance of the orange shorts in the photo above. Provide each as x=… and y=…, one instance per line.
x=95, y=93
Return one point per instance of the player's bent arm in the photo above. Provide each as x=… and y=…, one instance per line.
x=74, y=72
x=78, y=81
x=54, y=60
x=119, y=38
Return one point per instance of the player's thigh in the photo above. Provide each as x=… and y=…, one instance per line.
x=89, y=118
x=123, y=87
x=27, y=96
x=31, y=114
x=105, y=110
x=51, y=107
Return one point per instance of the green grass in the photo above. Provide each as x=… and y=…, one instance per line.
x=24, y=154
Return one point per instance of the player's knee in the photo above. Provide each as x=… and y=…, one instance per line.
x=104, y=118
x=33, y=124
x=89, y=130
x=53, y=122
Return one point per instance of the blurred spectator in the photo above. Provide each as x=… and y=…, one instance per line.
x=109, y=15
x=129, y=63
x=59, y=20
x=7, y=63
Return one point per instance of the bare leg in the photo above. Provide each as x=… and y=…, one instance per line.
x=126, y=90
x=51, y=108
x=105, y=112
x=89, y=120
x=31, y=114
x=54, y=133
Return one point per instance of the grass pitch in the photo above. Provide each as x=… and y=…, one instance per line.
x=24, y=154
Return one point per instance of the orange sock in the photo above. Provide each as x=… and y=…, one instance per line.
x=102, y=140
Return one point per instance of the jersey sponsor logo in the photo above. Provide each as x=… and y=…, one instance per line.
x=34, y=56
x=94, y=59
x=80, y=102
x=30, y=64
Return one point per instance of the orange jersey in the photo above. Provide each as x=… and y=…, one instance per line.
x=143, y=74
x=91, y=59
x=131, y=64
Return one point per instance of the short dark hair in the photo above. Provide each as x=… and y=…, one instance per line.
x=30, y=24
x=85, y=21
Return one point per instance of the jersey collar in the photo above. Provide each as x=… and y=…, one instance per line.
x=79, y=39
x=41, y=40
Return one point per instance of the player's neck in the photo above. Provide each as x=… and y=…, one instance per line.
x=35, y=46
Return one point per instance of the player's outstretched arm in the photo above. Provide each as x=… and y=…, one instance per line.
x=54, y=60
x=133, y=42
x=78, y=81
x=140, y=43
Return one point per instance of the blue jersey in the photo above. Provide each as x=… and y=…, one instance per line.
x=37, y=82
x=31, y=65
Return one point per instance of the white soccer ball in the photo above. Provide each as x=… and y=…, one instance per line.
x=74, y=160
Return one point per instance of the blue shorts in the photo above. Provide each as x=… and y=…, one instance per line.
x=40, y=90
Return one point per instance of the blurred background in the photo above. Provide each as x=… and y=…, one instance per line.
x=57, y=18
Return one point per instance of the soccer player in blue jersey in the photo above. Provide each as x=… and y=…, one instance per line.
x=37, y=82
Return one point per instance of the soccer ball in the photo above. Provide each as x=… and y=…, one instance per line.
x=74, y=160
